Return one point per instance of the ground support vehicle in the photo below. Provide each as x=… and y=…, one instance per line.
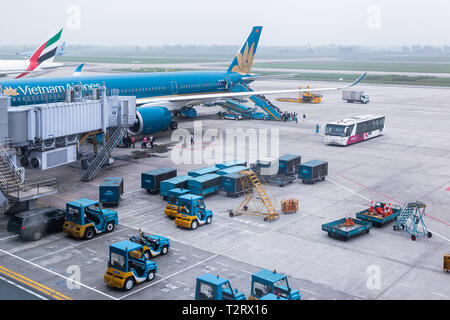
x=192, y=212
x=211, y=287
x=268, y=285
x=346, y=228
x=153, y=245
x=171, y=209
x=85, y=218
x=127, y=266
x=380, y=214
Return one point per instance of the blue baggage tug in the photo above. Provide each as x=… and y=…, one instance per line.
x=151, y=180
x=111, y=191
x=288, y=164
x=338, y=230
x=179, y=182
x=202, y=171
x=234, y=169
x=204, y=185
x=313, y=171
x=232, y=163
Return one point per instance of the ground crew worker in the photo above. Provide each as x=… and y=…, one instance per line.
x=317, y=129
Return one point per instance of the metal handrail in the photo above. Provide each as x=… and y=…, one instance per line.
x=47, y=182
x=19, y=173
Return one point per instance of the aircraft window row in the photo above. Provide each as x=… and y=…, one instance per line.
x=15, y=70
x=143, y=89
x=198, y=85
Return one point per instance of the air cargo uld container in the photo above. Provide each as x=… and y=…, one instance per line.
x=151, y=180
x=232, y=184
x=288, y=163
x=172, y=183
x=235, y=169
x=202, y=171
x=110, y=191
x=231, y=163
x=312, y=171
x=205, y=184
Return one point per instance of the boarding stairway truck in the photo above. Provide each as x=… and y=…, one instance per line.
x=211, y=287
x=128, y=266
x=153, y=244
x=355, y=96
x=192, y=212
x=268, y=285
x=171, y=209
x=85, y=218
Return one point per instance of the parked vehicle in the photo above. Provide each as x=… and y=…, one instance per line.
x=192, y=212
x=153, y=244
x=355, y=96
x=127, y=266
x=85, y=218
x=211, y=287
x=269, y=285
x=33, y=224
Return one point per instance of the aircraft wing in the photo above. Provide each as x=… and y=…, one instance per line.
x=203, y=98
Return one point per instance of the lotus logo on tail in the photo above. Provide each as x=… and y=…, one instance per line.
x=10, y=91
x=244, y=60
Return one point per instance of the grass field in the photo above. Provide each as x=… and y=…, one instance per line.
x=423, y=67
x=387, y=79
x=131, y=60
x=142, y=70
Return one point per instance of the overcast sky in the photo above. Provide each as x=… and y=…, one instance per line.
x=227, y=22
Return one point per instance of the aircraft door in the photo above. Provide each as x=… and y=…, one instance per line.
x=174, y=87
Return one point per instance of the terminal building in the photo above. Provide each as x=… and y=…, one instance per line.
x=44, y=136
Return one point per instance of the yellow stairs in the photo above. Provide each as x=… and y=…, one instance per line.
x=251, y=176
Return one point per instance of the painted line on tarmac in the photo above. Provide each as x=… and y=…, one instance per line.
x=57, y=274
x=8, y=237
x=23, y=288
x=214, y=256
x=33, y=284
x=433, y=232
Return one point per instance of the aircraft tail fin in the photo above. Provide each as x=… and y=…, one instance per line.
x=243, y=61
x=46, y=51
x=61, y=49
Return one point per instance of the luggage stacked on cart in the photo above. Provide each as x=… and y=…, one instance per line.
x=289, y=205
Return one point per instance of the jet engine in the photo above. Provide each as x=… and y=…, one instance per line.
x=152, y=119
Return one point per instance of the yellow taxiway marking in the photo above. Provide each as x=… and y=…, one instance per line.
x=33, y=284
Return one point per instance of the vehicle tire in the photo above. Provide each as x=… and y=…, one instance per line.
x=395, y=228
x=36, y=235
x=151, y=275
x=231, y=214
x=194, y=225
x=413, y=238
x=368, y=230
x=110, y=226
x=165, y=250
x=129, y=284
x=403, y=226
x=208, y=220
x=173, y=125
x=89, y=233
x=429, y=234
x=148, y=255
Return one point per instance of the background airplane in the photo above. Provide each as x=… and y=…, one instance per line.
x=160, y=94
x=41, y=58
x=59, y=51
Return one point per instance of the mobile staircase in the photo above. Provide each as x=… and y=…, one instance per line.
x=236, y=110
x=20, y=194
x=93, y=162
x=411, y=220
x=255, y=195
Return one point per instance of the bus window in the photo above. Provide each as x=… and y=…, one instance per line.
x=335, y=130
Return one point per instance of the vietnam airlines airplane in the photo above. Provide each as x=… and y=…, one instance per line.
x=159, y=94
x=41, y=58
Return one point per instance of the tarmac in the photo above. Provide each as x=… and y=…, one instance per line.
x=409, y=162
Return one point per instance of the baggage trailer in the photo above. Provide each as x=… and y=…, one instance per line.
x=235, y=169
x=179, y=182
x=111, y=191
x=204, y=185
x=341, y=229
x=232, y=184
x=312, y=171
x=288, y=163
x=202, y=171
x=151, y=180
x=280, y=179
x=231, y=163
x=377, y=217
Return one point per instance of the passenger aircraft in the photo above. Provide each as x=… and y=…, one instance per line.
x=59, y=52
x=161, y=93
x=41, y=58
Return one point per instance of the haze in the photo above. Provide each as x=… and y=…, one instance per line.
x=203, y=22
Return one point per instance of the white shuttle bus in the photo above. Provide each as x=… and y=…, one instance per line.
x=355, y=129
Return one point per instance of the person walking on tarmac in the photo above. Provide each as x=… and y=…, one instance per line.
x=133, y=141
x=144, y=143
x=192, y=139
x=317, y=129
x=151, y=141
